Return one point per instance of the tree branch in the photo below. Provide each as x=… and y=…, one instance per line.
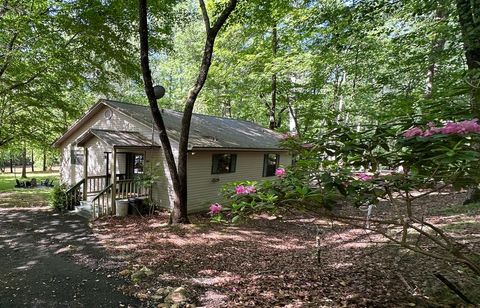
x=223, y=17
x=7, y=54
x=206, y=19
x=282, y=110
x=20, y=84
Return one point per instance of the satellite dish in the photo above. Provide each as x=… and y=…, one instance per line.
x=159, y=91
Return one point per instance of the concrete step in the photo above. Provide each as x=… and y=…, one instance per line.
x=84, y=209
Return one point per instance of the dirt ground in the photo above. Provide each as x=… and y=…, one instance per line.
x=53, y=260
x=274, y=262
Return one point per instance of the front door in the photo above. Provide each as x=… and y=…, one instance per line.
x=107, y=169
x=133, y=164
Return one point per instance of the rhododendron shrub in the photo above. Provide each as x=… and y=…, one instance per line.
x=245, y=198
x=364, y=165
x=250, y=197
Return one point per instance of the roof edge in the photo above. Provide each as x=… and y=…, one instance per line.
x=86, y=116
x=193, y=149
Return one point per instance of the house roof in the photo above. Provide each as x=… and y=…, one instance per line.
x=206, y=132
x=116, y=138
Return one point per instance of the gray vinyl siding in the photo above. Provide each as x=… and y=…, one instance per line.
x=203, y=189
x=162, y=192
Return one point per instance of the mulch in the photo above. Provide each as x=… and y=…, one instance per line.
x=297, y=260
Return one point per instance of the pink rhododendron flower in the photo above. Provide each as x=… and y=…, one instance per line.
x=280, y=172
x=412, y=132
x=450, y=128
x=240, y=189
x=362, y=176
x=215, y=208
x=245, y=190
x=432, y=131
x=471, y=126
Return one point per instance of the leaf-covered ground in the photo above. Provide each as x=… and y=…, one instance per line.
x=274, y=262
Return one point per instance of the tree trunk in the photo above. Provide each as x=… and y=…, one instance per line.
x=437, y=46
x=179, y=174
x=24, y=161
x=293, y=118
x=156, y=114
x=44, y=168
x=468, y=16
x=33, y=162
x=227, y=109
x=338, y=96
x=212, y=31
x=11, y=165
x=271, y=113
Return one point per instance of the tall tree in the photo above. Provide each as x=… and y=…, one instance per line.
x=469, y=19
x=50, y=49
x=179, y=174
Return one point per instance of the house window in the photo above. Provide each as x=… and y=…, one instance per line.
x=76, y=156
x=138, y=162
x=224, y=163
x=270, y=164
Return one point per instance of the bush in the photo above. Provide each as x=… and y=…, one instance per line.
x=58, y=198
x=249, y=197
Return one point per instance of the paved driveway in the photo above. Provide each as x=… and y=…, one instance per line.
x=53, y=260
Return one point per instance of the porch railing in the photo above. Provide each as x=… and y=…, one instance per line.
x=97, y=183
x=74, y=195
x=130, y=189
x=102, y=202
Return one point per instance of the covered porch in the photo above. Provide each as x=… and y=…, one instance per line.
x=113, y=166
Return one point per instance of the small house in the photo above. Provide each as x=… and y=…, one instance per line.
x=105, y=152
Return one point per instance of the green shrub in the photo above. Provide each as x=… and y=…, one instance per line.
x=249, y=197
x=58, y=198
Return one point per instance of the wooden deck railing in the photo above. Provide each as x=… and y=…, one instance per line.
x=130, y=188
x=102, y=202
x=97, y=183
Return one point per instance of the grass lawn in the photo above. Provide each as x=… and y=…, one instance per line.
x=25, y=197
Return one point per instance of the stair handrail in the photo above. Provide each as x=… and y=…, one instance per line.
x=71, y=202
x=97, y=196
x=75, y=186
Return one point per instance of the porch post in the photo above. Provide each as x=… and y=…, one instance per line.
x=85, y=173
x=114, y=179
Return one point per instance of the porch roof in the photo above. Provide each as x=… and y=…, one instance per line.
x=116, y=138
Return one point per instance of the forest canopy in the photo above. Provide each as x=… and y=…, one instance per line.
x=358, y=62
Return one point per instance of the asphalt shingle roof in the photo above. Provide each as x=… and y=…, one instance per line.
x=207, y=131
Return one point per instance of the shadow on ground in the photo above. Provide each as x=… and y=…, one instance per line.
x=52, y=260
